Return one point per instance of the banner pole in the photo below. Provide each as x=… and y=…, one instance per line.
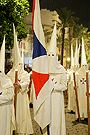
x=15, y=92
x=76, y=96
x=87, y=94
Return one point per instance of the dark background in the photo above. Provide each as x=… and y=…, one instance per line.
x=81, y=8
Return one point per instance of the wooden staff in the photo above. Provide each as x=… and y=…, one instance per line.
x=87, y=85
x=76, y=96
x=65, y=93
x=66, y=96
x=15, y=92
x=30, y=85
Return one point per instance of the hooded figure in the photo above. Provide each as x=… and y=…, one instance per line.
x=23, y=116
x=6, y=98
x=71, y=91
x=81, y=85
x=76, y=57
x=58, y=75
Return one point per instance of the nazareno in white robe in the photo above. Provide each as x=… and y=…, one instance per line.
x=58, y=75
x=23, y=116
x=6, y=106
x=81, y=92
x=71, y=92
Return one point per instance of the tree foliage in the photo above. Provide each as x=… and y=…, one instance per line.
x=67, y=20
x=79, y=31
x=66, y=17
x=12, y=11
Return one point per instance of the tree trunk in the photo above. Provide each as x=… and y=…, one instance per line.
x=63, y=35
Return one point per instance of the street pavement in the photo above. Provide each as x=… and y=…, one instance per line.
x=72, y=126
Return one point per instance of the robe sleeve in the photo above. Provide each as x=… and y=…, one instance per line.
x=8, y=96
x=25, y=84
x=61, y=85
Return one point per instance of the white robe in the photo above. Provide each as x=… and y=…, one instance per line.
x=57, y=126
x=23, y=116
x=6, y=105
x=81, y=92
x=71, y=91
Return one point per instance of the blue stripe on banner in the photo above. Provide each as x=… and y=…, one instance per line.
x=38, y=49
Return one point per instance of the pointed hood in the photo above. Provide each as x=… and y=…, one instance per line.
x=52, y=46
x=72, y=59
x=4, y=80
x=76, y=59
x=22, y=55
x=54, y=67
x=78, y=52
x=17, y=60
x=2, y=56
x=83, y=56
x=18, y=64
x=17, y=57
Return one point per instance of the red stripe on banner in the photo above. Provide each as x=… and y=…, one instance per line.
x=39, y=80
x=33, y=15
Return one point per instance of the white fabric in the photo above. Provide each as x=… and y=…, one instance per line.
x=2, y=56
x=17, y=57
x=42, y=62
x=78, y=52
x=54, y=67
x=76, y=59
x=23, y=116
x=7, y=121
x=31, y=94
x=72, y=59
x=37, y=24
x=43, y=111
x=59, y=78
x=71, y=91
x=68, y=74
x=23, y=55
x=31, y=91
x=57, y=126
x=83, y=56
x=42, y=107
x=52, y=46
x=81, y=92
x=41, y=101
